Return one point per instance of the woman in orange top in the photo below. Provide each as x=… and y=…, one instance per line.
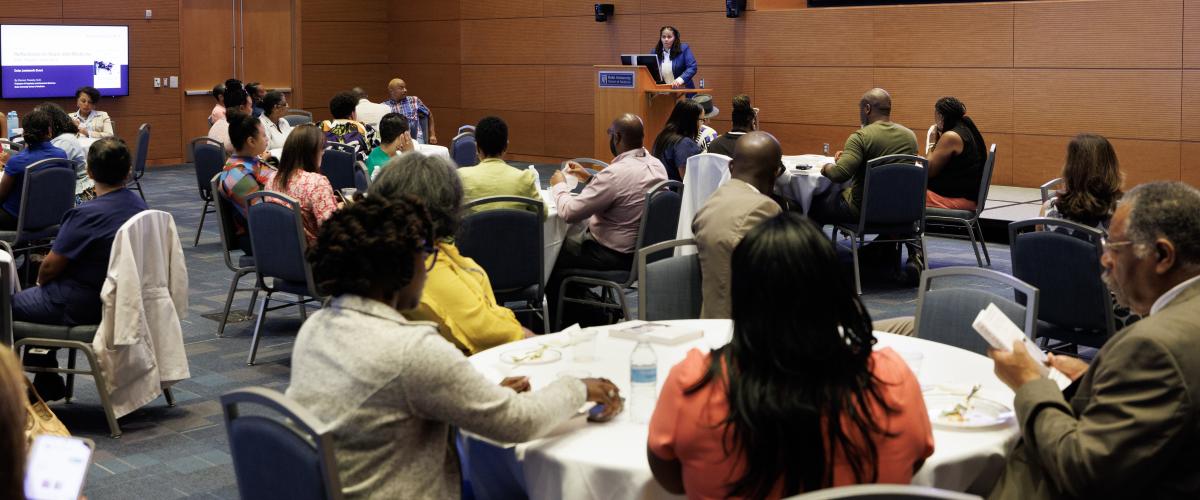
x=798, y=400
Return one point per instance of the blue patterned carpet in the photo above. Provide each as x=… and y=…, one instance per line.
x=183, y=451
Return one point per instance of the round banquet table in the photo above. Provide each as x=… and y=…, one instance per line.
x=801, y=186
x=554, y=232
x=583, y=460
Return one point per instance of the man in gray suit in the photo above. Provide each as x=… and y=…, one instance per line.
x=732, y=210
x=1129, y=424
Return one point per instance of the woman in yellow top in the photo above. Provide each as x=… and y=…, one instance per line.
x=458, y=296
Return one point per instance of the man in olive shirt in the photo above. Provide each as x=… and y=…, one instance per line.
x=879, y=136
x=492, y=176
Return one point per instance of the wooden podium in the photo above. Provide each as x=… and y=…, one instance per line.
x=631, y=89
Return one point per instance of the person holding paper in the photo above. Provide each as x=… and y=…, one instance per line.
x=1127, y=425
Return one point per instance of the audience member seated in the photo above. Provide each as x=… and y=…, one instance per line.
x=13, y=445
x=1126, y=426
x=879, y=136
x=38, y=134
x=66, y=138
x=345, y=127
x=612, y=203
x=218, y=111
x=677, y=141
x=274, y=106
x=389, y=388
x=299, y=176
x=71, y=275
x=91, y=121
x=1092, y=186
x=956, y=161
x=732, y=211
x=257, y=93
x=246, y=172
x=706, y=134
x=458, y=296
x=851, y=414
x=492, y=176
x=412, y=108
x=369, y=113
x=234, y=93
x=393, y=132
x=745, y=120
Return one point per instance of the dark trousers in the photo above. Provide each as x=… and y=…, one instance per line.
x=33, y=305
x=8, y=222
x=586, y=254
x=831, y=207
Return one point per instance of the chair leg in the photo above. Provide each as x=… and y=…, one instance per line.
x=624, y=305
x=229, y=301
x=546, y=314
x=974, y=245
x=855, y=241
x=924, y=254
x=102, y=389
x=982, y=243
x=138, y=185
x=558, y=317
x=253, y=298
x=203, y=213
x=262, y=311
x=303, y=308
x=170, y=397
x=71, y=376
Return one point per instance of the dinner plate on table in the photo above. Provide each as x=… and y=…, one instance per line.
x=532, y=355
x=982, y=413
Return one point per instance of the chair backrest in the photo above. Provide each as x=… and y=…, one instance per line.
x=1050, y=186
x=1064, y=264
x=507, y=242
x=900, y=206
x=591, y=163
x=208, y=158
x=228, y=227
x=660, y=218
x=361, y=182
x=47, y=193
x=296, y=120
x=462, y=148
x=7, y=285
x=985, y=185
x=466, y=128
x=143, y=149
x=423, y=123
x=279, y=453
x=945, y=314
x=277, y=237
x=337, y=164
x=300, y=112
x=670, y=287
x=705, y=173
x=884, y=492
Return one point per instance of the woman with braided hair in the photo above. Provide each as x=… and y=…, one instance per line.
x=956, y=161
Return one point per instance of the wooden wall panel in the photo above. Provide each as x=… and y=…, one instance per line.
x=709, y=34
x=345, y=10
x=817, y=96
x=319, y=39
x=508, y=9
x=1189, y=156
x=1126, y=104
x=423, y=10
x=1002, y=174
x=438, y=85
x=149, y=100
x=810, y=37
x=570, y=89
x=980, y=35
x=503, y=41
x=26, y=9
x=440, y=42
x=1190, y=121
x=651, y=6
x=568, y=135
x=1099, y=34
x=448, y=120
x=1040, y=158
x=516, y=88
x=1145, y=161
x=621, y=8
x=726, y=82
x=164, y=134
x=801, y=139
x=526, y=129
x=987, y=94
x=117, y=9
x=582, y=40
x=322, y=81
x=1191, y=33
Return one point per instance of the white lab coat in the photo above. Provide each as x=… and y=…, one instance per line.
x=704, y=174
x=139, y=344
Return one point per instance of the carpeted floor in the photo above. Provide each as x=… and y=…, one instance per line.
x=182, y=451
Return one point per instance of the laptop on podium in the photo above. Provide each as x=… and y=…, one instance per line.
x=649, y=61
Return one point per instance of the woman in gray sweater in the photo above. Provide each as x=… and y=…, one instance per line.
x=389, y=389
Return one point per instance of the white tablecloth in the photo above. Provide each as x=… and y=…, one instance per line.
x=801, y=186
x=581, y=460
x=87, y=142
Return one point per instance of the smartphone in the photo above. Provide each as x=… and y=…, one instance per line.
x=57, y=467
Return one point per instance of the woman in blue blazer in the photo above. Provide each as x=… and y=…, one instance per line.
x=682, y=62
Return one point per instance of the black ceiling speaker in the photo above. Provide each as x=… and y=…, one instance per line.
x=604, y=11
x=734, y=8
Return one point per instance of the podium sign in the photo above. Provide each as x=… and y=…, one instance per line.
x=616, y=79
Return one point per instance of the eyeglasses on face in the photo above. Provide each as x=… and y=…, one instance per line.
x=1112, y=246
x=430, y=248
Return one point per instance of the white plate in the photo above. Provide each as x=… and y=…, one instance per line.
x=524, y=356
x=983, y=413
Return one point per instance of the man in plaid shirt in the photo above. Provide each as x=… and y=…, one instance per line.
x=410, y=107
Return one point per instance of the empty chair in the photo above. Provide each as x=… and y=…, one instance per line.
x=208, y=159
x=705, y=173
x=139, y=159
x=884, y=492
x=296, y=116
x=508, y=243
x=659, y=220
x=229, y=245
x=1050, y=187
x=466, y=128
x=670, y=287
x=278, y=453
x=896, y=209
x=462, y=147
x=337, y=163
x=361, y=182
x=945, y=314
x=1063, y=262
x=968, y=219
x=277, y=237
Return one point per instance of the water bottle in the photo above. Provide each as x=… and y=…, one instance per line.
x=701, y=83
x=643, y=378
x=825, y=149
x=13, y=124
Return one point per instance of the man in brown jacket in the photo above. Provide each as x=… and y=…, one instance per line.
x=1129, y=425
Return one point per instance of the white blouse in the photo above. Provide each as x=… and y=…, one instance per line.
x=665, y=68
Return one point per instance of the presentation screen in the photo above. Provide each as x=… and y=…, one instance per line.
x=42, y=61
